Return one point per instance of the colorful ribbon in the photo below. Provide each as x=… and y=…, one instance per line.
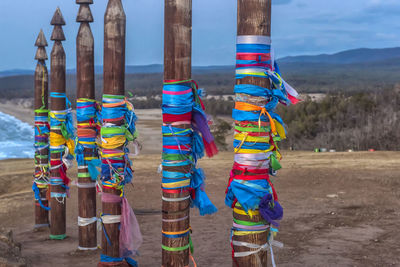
x=258, y=129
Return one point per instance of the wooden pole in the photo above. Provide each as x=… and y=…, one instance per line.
x=42, y=142
x=86, y=90
x=57, y=79
x=177, y=66
x=114, y=84
x=253, y=18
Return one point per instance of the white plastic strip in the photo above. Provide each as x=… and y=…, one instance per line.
x=255, y=156
x=82, y=248
x=291, y=91
x=175, y=220
x=86, y=221
x=82, y=167
x=175, y=199
x=257, y=248
x=253, y=39
x=110, y=219
x=86, y=185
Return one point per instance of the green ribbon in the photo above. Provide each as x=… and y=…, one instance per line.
x=58, y=237
x=255, y=129
x=248, y=223
x=175, y=249
x=114, y=96
x=175, y=157
x=275, y=164
x=42, y=110
x=84, y=175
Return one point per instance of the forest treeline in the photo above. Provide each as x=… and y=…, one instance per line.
x=361, y=121
x=339, y=121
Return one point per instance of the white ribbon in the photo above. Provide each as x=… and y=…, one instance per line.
x=86, y=185
x=110, y=219
x=82, y=248
x=257, y=248
x=255, y=156
x=86, y=221
x=253, y=39
x=175, y=199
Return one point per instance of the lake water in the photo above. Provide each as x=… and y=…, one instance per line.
x=16, y=138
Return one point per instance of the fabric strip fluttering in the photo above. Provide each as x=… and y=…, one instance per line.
x=258, y=130
x=186, y=139
x=42, y=132
x=117, y=131
x=62, y=142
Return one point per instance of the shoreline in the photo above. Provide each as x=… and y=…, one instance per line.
x=18, y=111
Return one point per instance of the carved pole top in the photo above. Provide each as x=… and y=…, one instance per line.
x=58, y=18
x=41, y=43
x=84, y=14
x=58, y=21
x=89, y=2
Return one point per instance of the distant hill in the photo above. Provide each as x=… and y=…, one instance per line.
x=348, y=71
x=361, y=55
x=16, y=72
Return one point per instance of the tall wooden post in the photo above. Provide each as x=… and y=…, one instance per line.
x=114, y=84
x=57, y=79
x=86, y=117
x=41, y=182
x=253, y=18
x=177, y=66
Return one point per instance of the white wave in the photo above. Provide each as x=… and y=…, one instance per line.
x=16, y=138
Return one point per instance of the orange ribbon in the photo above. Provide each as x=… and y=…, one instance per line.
x=263, y=111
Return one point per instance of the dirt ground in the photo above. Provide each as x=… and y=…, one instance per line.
x=341, y=209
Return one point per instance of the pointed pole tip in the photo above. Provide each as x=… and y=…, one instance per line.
x=58, y=18
x=41, y=40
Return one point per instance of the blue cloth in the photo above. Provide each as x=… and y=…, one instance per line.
x=253, y=48
x=130, y=261
x=248, y=193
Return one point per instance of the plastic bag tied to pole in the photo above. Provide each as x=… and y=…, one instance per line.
x=130, y=238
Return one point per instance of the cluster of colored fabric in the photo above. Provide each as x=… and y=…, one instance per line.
x=62, y=142
x=186, y=135
x=42, y=132
x=258, y=129
x=117, y=130
x=87, y=130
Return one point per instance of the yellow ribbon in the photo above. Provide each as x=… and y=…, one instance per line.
x=250, y=213
x=176, y=184
x=113, y=142
x=243, y=233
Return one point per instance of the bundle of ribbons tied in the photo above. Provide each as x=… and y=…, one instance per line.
x=88, y=128
x=42, y=131
x=258, y=130
x=62, y=142
x=117, y=131
x=186, y=139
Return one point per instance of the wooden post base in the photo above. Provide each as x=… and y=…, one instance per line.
x=113, y=264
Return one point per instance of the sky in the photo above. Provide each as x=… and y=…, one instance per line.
x=299, y=27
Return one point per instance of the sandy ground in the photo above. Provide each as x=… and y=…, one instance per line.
x=341, y=209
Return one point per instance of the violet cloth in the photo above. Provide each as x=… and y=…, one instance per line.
x=271, y=210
